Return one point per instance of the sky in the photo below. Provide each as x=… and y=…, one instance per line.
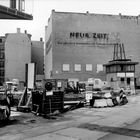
x=41, y=11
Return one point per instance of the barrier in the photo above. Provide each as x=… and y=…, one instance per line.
x=109, y=102
x=100, y=103
x=118, y=99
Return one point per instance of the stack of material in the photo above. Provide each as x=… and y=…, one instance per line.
x=44, y=103
x=52, y=103
x=105, y=101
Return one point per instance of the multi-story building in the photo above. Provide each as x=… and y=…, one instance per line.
x=78, y=44
x=15, y=52
x=2, y=59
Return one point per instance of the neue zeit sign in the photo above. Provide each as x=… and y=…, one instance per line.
x=87, y=38
x=89, y=35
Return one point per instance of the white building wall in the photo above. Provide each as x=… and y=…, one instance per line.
x=48, y=72
x=17, y=54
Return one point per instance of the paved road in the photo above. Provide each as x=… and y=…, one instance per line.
x=112, y=123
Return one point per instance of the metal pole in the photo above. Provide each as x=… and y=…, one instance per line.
x=50, y=105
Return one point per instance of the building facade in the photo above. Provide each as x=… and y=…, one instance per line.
x=78, y=44
x=15, y=52
x=14, y=4
x=2, y=59
x=37, y=56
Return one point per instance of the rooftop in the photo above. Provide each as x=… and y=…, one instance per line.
x=121, y=16
x=121, y=61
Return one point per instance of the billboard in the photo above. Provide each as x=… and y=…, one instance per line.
x=30, y=75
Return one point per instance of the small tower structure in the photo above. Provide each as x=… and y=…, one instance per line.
x=120, y=72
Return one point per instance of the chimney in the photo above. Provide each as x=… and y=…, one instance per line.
x=53, y=10
x=25, y=31
x=18, y=30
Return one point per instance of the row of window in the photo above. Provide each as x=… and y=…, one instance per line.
x=128, y=80
x=118, y=68
x=78, y=67
x=123, y=80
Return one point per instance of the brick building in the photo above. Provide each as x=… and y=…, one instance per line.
x=78, y=44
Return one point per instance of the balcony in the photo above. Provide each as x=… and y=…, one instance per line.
x=8, y=13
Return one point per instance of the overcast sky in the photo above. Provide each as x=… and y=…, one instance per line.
x=41, y=11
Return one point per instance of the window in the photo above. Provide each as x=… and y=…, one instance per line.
x=128, y=81
x=66, y=67
x=88, y=67
x=118, y=68
x=107, y=69
x=1, y=55
x=23, y=5
x=111, y=80
x=1, y=72
x=1, y=81
x=1, y=64
x=77, y=67
x=132, y=68
x=122, y=80
x=122, y=67
x=0, y=40
x=99, y=68
x=128, y=68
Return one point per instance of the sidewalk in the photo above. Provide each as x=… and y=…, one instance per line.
x=86, y=124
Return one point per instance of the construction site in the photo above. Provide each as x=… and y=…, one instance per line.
x=83, y=85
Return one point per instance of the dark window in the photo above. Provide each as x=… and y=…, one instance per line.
x=1, y=72
x=111, y=79
x=1, y=64
x=1, y=81
x=0, y=40
x=122, y=68
x=1, y=49
x=122, y=80
x=109, y=69
x=128, y=81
